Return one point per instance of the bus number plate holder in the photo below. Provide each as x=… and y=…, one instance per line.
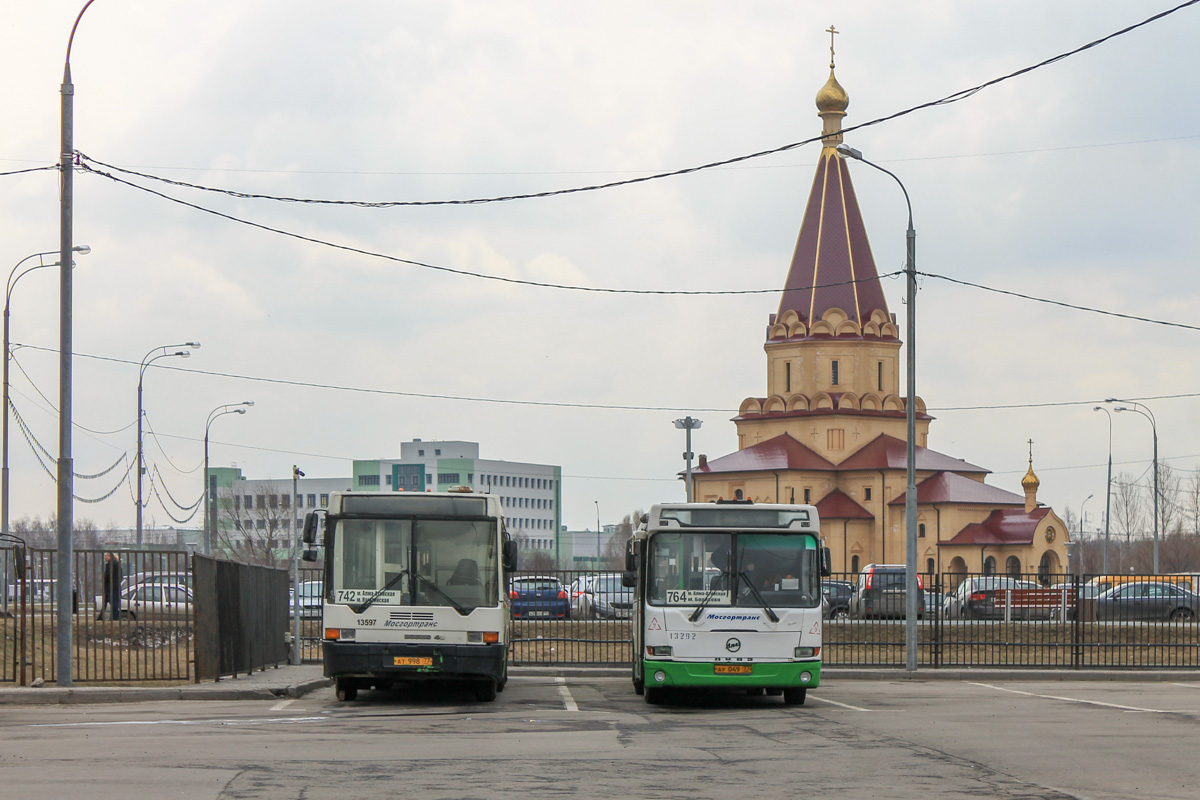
x=732, y=669
x=412, y=661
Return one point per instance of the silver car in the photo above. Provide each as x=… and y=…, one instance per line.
x=604, y=597
x=155, y=601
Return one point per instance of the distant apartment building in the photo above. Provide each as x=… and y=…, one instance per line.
x=530, y=494
x=259, y=514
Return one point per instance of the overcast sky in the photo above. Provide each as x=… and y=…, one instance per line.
x=1076, y=182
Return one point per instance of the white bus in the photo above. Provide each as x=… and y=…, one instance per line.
x=414, y=589
x=727, y=594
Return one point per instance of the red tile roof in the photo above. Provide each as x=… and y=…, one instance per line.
x=947, y=487
x=839, y=505
x=1004, y=526
x=781, y=452
x=888, y=452
x=832, y=266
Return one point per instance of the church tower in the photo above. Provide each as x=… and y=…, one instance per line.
x=833, y=350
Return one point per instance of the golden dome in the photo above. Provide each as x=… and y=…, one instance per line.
x=1030, y=481
x=832, y=96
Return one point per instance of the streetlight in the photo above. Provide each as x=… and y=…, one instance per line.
x=210, y=512
x=13, y=277
x=147, y=360
x=66, y=462
x=910, y=488
x=688, y=424
x=1145, y=412
x=1079, y=547
x=597, y=502
x=1107, y=487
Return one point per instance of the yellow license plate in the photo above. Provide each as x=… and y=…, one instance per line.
x=412, y=661
x=731, y=669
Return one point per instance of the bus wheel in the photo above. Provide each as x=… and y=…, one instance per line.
x=346, y=691
x=503, y=679
x=795, y=696
x=639, y=688
x=654, y=695
x=485, y=691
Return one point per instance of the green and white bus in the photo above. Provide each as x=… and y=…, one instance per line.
x=414, y=589
x=727, y=594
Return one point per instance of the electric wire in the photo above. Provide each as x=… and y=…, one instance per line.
x=167, y=491
x=947, y=100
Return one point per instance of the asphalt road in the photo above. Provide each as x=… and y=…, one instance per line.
x=549, y=737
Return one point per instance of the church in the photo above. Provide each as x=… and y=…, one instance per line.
x=831, y=430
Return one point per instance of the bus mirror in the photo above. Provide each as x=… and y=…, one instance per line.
x=826, y=562
x=630, y=562
x=309, y=554
x=310, y=528
x=629, y=579
x=510, y=555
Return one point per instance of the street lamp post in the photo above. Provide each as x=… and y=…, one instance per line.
x=1148, y=414
x=1079, y=547
x=597, y=502
x=688, y=424
x=66, y=462
x=1107, y=487
x=147, y=360
x=910, y=487
x=210, y=494
x=13, y=277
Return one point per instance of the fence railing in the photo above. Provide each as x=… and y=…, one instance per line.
x=583, y=618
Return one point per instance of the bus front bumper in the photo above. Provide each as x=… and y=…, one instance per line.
x=764, y=675
x=414, y=662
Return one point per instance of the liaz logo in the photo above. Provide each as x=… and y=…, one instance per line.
x=733, y=645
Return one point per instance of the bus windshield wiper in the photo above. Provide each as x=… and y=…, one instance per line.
x=708, y=598
x=422, y=579
x=749, y=585
x=361, y=607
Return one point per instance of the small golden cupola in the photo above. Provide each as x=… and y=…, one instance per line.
x=1030, y=484
x=832, y=102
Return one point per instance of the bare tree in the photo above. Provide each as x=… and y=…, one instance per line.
x=255, y=528
x=1170, y=506
x=1192, y=502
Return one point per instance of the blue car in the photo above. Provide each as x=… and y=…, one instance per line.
x=536, y=596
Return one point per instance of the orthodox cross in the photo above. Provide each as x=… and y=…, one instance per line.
x=831, y=31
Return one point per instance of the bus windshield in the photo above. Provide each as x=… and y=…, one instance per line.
x=407, y=562
x=730, y=569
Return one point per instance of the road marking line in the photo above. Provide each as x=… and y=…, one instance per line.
x=281, y=705
x=1079, y=700
x=839, y=705
x=276, y=721
x=568, y=701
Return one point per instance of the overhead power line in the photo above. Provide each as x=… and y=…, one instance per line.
x=947, y=100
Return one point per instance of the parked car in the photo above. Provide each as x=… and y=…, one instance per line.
x=836, y=596
x=880, y=592
x=311, y=600
x=156, y=601
x=605, y=598
x=1148, y=601
x=983, y=598
x=538, y=596
x=577, y=593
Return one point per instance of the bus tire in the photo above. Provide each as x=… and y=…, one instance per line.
x=795, y=696
x=639, y=688
x=346, y=691
x=503, y=679
x=654, y=695
x=485, y=691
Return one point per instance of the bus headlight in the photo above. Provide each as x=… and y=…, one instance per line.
x=806, y=677
x=807, y=652
x=660, y=676
x=340, y=634
x=658, y=650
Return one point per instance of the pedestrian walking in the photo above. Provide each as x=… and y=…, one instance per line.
x=112, y=586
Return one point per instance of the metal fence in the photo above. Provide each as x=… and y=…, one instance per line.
x=150, y=640
x=241, y=617
x=1019, y=620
